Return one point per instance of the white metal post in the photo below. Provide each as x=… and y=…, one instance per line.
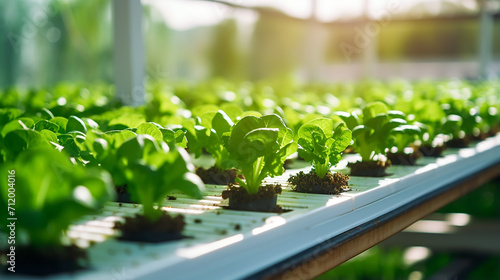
x=314, y=49
x=485, y=40
x=128, y=51
x=370, y=59
x=369, y=56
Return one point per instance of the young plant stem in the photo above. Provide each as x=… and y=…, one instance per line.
x=219, y=159
x=253, y=178
x=151, y=213
x=322, y=169
x=365, y=153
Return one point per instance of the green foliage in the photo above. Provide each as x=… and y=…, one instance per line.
x=375, y=135
x=385, y=264
x=158, y=132
x=19, y=140
x=152, y=171
x=208, y=134
x=259, y=147
x=405, y=135
x=471, y=120
x=320, y=144
x=430, y=114
x=451, y=125
x=75, y=124
x=351, y=120
x=50, y=194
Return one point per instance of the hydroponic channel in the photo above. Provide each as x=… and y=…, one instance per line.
x=221, y=238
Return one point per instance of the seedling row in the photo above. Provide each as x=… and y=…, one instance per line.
x=75, y=150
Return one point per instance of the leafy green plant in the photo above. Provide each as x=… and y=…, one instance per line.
x=350, y=119
x=259, y=146
x=405, y=136
x=489, y=112
x=320, y=144
x=153, y=170
x=50, y=194
x=471, y=119
x=161, y=133
x=208, y=134
x=375, y=135
x=100, y=149
x=27, y=132
x=451, y=126
x=430, y=116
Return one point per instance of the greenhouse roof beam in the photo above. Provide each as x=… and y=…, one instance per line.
x=495, y=15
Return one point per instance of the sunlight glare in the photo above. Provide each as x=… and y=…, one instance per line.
x=197, y=251
x=271, y=223
x=458, y=219
x=416, y=254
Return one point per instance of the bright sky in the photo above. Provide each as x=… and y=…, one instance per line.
x=185, y=14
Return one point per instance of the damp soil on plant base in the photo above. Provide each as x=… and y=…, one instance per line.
x=458, y=142
x=331, y=183
x=494, y=130
x=140, y=228
x=369, y=168
x=429, y=150
x=46, y=261
x=263, y=201
x=122, y=195
x=402, y=158
x=480, y=136
x=215, y=175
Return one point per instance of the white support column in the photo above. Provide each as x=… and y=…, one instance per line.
x=314, y=50
x=370, y=51
x=485, y=41
x=129, y=65
x=370, y=59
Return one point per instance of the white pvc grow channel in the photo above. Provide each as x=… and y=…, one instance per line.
x=228, y=244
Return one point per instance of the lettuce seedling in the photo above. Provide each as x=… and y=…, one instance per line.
x=430, y=117
x=375, y=135
x=405, y=135
x=259, y=147
x=451, y=126
x=320, y=144
x=351, y=120
x=153, y=170
x=19, y=140
x=50, y=194
x=100, y=149
x=161, y=133
x=489, y=113
x=471, y=119
x=208, y=134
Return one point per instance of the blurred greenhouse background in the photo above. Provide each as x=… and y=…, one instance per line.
x=47, y=41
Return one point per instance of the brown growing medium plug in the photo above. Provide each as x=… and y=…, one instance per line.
x=217, y=176
x=369, y=168
x=263, y=201
x=140, y=228
x=331, y=183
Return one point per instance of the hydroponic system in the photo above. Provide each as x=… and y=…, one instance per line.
x=244, y=181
